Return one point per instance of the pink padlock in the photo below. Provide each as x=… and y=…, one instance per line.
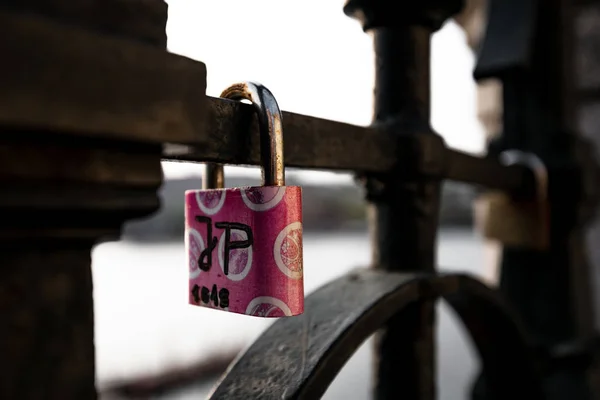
x=244, y=245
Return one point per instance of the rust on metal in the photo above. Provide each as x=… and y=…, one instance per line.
x=270, y=124
x=233, y=137
x=59, y=78
x=297, y=358
x=47, y=67
x=91, y=101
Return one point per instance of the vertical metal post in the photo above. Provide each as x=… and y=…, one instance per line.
x=586, y=18
x=547, y=288
x=52, y=218
x=47, y=331
x=403, y=215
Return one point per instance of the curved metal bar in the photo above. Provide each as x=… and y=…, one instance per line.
x=508, y=362
x=297, y=358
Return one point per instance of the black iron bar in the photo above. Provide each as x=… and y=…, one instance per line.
x=211, y=129
x=316, y=143
x=343, y=313
x=549, y=289
x=489, y=173
x=232, y=137
x=403, y=214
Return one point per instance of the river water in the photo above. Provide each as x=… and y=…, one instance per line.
x=144, y=325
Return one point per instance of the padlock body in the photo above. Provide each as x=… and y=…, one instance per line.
x=523, y=224
x=244, y=248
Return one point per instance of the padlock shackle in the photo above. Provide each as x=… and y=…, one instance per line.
x=214, y=176
x=531, y=161
x=270, y=123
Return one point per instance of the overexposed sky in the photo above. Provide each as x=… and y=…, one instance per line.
x=317, y=62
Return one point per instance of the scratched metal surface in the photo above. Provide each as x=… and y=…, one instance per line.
x=297, y=358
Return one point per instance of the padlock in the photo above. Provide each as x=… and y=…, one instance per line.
x=244, y=245
x=514, y=222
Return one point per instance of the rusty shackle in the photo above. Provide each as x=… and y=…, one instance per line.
x=271, y=136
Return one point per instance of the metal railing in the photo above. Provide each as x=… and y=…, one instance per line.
x=84, y=131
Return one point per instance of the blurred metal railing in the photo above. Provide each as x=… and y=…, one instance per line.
x=90, y=103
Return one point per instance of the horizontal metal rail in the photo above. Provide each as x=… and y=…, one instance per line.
x=62, y=79
x=232, y=137
x=46, y=57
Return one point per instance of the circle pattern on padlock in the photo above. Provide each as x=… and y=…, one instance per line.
x=268, y=307
x=210, y=202
x=287, y=250
x=264, y=279
x=194, y=246
x=262, y=200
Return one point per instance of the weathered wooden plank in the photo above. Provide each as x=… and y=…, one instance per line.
x=58, y=78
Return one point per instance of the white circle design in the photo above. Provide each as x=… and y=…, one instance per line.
x=215, y=209
x=221, y=250
x=194, y=271
x=277, y=250
x=263, y=206
x=251, y=309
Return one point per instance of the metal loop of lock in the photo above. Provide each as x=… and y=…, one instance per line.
x=271, y=136
x=533, y=162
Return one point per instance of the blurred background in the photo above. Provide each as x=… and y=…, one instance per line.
x=150, y=343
